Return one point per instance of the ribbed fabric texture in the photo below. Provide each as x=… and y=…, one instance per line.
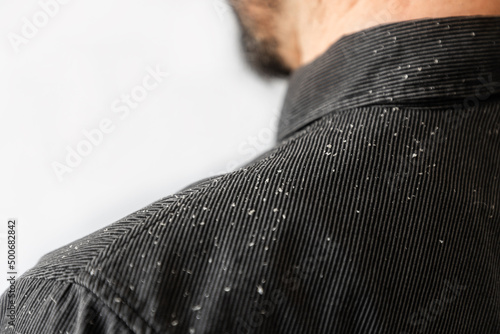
x=376, y=212
x=429, y=63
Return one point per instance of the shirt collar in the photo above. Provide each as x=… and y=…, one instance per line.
x=429, y=63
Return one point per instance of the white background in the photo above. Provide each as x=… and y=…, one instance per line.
x=209, y=116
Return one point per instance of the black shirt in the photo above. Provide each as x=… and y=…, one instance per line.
x=377, y=211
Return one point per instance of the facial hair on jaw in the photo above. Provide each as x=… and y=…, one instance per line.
x=258, y=39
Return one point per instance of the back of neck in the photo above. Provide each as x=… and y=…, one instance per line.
x=318, y=24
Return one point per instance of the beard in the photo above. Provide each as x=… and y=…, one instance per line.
x=257, y=20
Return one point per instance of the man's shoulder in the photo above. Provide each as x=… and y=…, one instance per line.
x=245, y=195
x=77, y=276
x=83, y=255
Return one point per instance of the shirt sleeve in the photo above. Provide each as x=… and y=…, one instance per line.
x=59, y=307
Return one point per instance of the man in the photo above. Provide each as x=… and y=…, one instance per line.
x=376, y=212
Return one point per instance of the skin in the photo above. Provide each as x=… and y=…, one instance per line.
x=280, y=36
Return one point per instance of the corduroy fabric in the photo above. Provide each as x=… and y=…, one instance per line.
x=377, y=211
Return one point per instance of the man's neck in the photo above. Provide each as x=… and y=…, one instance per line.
x=319, y=24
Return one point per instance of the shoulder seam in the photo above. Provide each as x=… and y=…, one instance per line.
x=118, y=316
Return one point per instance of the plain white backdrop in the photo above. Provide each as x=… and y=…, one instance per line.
x=72, y=69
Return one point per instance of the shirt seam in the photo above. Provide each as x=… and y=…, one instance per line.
x=118, y=316
x=84, y=271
